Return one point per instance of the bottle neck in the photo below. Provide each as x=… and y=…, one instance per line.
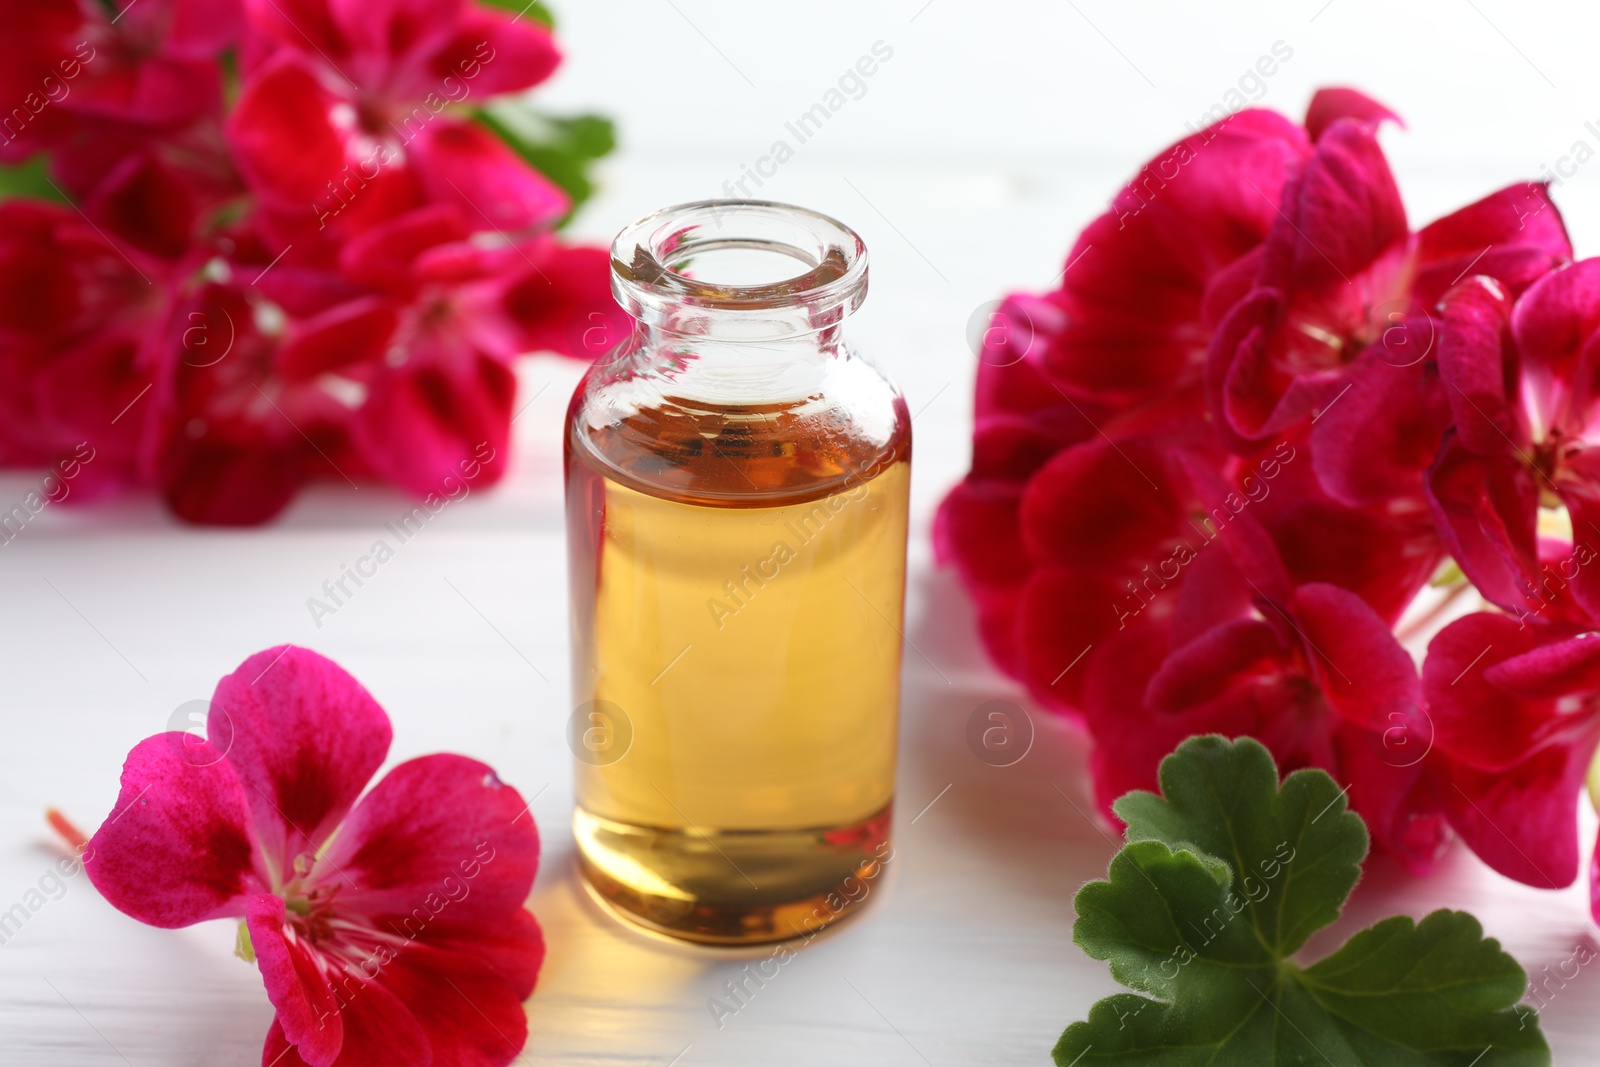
x=723, y=368
x=739, y=272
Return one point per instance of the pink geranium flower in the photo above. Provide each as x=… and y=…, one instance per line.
x=457, y=312
x=352, y=113
x=389, y=929
x=1527, y=440
x=1119, y=347
x=74, y=317
x=1207, y=478
x=1246, y=646
x=1086, y=394
x=1338, y=326
x=1516, y=709
x=75, y=71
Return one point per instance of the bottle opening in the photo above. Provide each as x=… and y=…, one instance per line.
x=773, y=268
x=739, y=264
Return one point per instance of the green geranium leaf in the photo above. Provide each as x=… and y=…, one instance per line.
x=562, y=149
x=534, y=10
x=1223, y=878
x=28, y=179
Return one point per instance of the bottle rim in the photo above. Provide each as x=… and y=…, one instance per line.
x=650, y=262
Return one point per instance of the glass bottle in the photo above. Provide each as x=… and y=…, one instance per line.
x=737, y=482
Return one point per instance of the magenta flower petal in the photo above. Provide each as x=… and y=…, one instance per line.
x=379, y=1031
x=564, y=303
x=978, y=527
x=460, y=1003
x=1334, y=103
x=307, y=24
x=512, y=945
x=1012, y=379
x=1524, y=822
x=1515, y=236
x=1331, y=271
x=1473, y=323
x=1518, y=716
x=176, y=849
x=1477, y=723
x=434, y=829
x=496, y=52
x=1243, y=385
x=383, y=255
x=1136, y=279
x=358, y=331
x=1060, y=615
x=1093, y=504
x=392, y=33
x=1486, y=509
x=1553, y=324
x=1374, y=442
x=220, y=483
x=1214, y=595
x=305, y=739
x=1365, y=674
x=282, y=137
x=1393, y=786
x=1381, y=557
x=196, y=29
x=1579, y=487
x=494, y=188
x=424, y=426
x=1344, y=211
x=1550, y=671
x=1209, y=665
x=308, y=1011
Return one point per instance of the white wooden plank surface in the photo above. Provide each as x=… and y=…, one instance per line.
x=112, y=618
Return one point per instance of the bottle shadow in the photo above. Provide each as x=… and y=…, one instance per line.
x=994, y=777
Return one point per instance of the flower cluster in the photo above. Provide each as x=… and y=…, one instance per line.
x=280, y=240
x=389, y=928
x=1260, y=420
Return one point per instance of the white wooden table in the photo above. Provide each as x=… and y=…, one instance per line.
x=112, y=618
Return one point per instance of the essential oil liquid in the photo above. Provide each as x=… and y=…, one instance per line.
x=737, y=609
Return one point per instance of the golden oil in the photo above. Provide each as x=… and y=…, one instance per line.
x=737, y=604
